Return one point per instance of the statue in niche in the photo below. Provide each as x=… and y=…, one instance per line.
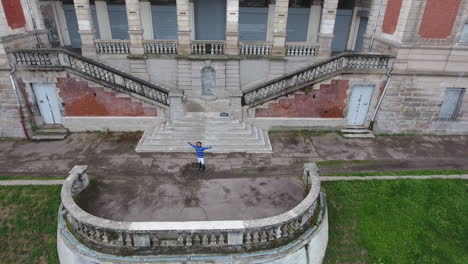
x=208, y=81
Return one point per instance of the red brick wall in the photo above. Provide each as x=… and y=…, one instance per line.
x=14, y=13
x=438, y=18
x=392, y=13
x=82, y=100
x=328, y=101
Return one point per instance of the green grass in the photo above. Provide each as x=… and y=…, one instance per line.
x=27, y=177
x=400, y=173
x=28, y=224
x=399, y=221
x=340, y=162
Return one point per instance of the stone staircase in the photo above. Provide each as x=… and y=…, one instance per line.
x=223, y=134
x=357, y=132
x=50, y=132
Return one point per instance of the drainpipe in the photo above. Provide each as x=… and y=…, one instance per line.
x=375, y=27
x=18, y=104
x=389, y=76
x=33, y=19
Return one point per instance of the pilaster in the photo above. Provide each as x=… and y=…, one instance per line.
x=183, y=27
x=279, y=31
x=135, y=30
x=85, y=27
x=146, y=19
x=327, y=26
x=103, y=19
x=232, y=27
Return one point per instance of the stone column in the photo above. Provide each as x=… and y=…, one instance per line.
x=103, y=20
x=183, y=27
x=85, y=27
x=146, y=19
x=279, y=32
x=135, y=29
x=327, y=26
x=232, y=27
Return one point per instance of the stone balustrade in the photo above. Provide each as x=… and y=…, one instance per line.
x=160, y=46
x=208, y=47
x=301, y=49
x=255, y=48
x=149, y=238
x=115, y=46
x=344, y=62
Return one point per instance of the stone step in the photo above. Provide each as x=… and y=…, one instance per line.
x=208, y=129
x=202, y=136
x=46, y=130
x=49, y=136
x=370, y=135
x=198, y=120
x=356, y=131
x=205, y=115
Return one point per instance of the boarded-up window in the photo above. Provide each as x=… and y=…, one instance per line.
x=164, y=21
x=452, y=103
x=253, y=23
x=118, y=21
x=464, y=35
x=14, y=13
x=298, y=24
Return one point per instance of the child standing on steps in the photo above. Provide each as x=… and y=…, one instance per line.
x=200, y=154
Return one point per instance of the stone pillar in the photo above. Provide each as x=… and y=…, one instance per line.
x=85, y=27
x=103, y=20
x=177, y=106
x=232, y=27
x=183, y=27
x=135, y=29
x=279, y=32
x=146, y=19
x=327, y=26
x=314, y=22
x=270, y=21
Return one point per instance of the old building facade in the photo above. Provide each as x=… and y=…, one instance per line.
x=397, y=66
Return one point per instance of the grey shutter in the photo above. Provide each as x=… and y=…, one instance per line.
x=298, y=24
x=452, y=103
x=95, y=22
x=253, y=23
x=118, y=21
x=360, y=34
x=72, y=26
x=341, y=30
x=164, y=22
x=210, y=19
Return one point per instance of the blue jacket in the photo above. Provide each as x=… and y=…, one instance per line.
x=200, y=150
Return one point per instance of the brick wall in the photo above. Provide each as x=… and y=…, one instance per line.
x=82, y=100
x=14, y=13
x=327, y=102
x=438, y=19
x=392, y=13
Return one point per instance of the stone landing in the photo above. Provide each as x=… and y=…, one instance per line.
x=222, y=133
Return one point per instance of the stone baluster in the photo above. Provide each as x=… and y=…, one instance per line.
x=263, y=237
x=205, y=240
x=221, y=240
x=271, y=235
x=155, y=240
x=180, y=240
x=213, y=240
x=248, y=238
x=188, y=240
x=128, y=240
x=255, y=237
x=196, y=240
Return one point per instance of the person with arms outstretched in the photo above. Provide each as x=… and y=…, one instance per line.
x=200, y=150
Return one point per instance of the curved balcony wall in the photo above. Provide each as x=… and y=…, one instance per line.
x=300, y=233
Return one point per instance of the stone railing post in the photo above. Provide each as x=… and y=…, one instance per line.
x=232, y=27
x=135, y=29
x=279, y=31
x=327, y=26
x=85, y=27
x=176, y=104
x=183, y=27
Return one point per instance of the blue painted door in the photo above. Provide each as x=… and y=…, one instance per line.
x=298, y=24
x=253, y=23
x=210, y=19
x=164, y=21
x=118, y=21
x=358, y=105
x=341, y=30
x=360, y=34
x=48, y=103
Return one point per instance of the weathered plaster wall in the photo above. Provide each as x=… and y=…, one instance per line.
x=82, y=100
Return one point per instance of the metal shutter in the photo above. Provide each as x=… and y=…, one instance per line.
x=118, y=21
x=298, y=24
x=253, y=23
x=72, y=26
x=210, y=20
x=360, y=34
x=451, y=105
x=341, y=30
x=164, y=22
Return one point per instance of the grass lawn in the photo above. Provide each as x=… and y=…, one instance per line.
x=27, y=177
x=400, y=173
x=398, y=221
x=28, y=224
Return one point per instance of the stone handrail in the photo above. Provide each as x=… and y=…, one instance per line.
x=160, y=46
x=192, y=236
x=113, y=46
x=208, y=47
x=48, y=59
x=255, y=48
x=301, y=49
x=296, y=80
